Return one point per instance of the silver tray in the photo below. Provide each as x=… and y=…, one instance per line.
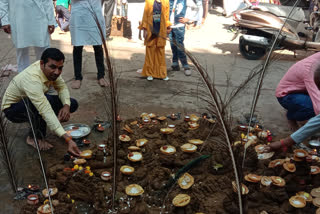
x=314, y=143
x=77, y=130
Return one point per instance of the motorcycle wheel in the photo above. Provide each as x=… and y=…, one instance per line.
x=250, y=52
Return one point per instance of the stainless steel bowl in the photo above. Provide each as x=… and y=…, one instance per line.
x=314, y=143
x=77, y=130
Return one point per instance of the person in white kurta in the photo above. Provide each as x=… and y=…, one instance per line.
x=84, y=31
x=30, y=23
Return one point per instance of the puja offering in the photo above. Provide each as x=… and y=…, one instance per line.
x=266, y=180
x=173, y=116
x=52, y=192
x=33, y=199
x=259, y=148
x=79, y=161
x=297, y=201
x=264, y=156
x=134, y=190
x=181, y=200
x=77, y=131
x=44, y=209
x=171, y=126
x=305, y=195
x=244, y=188
x=316, y=192
x=128, y=129
x=262, y=135
x=278, y=181
x=152, y=115
x=253, y=178
x=186, y=181
x=100, y=128
x=141, y=142
x=86, y=154
x=316, y=202
x=275, y=163
x=193, y=125
x=300, y=153
x=124, y=138
x=188, y=147
x=127, y=170
x=166, y=130
x=290, y=167
x=85, y=141
x=314, y=170
x=196, y=141
x=186, y=118
x=106, y=176
x=168, y=150
x=194, y=118
x=162, y=118
x=135, y=156
x=102, y=147
x=134, y=148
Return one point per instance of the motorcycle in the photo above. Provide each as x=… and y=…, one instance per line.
x=259, y=25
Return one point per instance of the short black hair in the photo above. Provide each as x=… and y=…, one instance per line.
x=52, y=53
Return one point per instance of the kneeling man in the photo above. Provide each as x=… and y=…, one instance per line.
x=27, y=91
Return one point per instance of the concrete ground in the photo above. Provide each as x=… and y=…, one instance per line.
x=212, y=47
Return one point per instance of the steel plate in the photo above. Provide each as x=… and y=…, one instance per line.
x=314, y=143
x=77, y=130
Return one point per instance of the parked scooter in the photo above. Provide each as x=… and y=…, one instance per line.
x=259, y=25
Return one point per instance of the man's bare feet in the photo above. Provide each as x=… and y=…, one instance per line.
x=43, y=145
x=76, y=84
x=102, y=82
x=293, y=125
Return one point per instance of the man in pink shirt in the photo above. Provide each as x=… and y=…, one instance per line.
x=297, y=91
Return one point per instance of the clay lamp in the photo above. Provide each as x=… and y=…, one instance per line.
x=133, y=148
x=52, y=192
x=102, y=147
x=313, y=152
x=33, y=187
x=135, y=156
x=314, y=170
x=33, y=199
x=252, y=178
x=188, y=148
x=193, y=125
x=86, y=154
x=144, y=115
x=266, y=180
x=86, y=142
x=152, y=115
x=171, y=126
x=300, y=153
x=134, y=190
x=168, y=150
x=162, y=118
x=305, y=195
x=106, y=176
x=265, y=156
x=79, y=161
x=244, y=188
x=44, y=209
x=173, y=116
x=297, y=201
x=134, y=123
x=316, y=192
x=262, y=135
x=295, y=158
x=181, y=200
x=128, y=129
x=186, y=181
x=290, y=167
x=194, y=118
x=100, y=128
x=124, y=138
x=275, y=163
x=166, y=130
x=154, y=122
x=257, y=128
x=196, y=141
x=278, y=181
x=141, y=142
x=259, y=148
x=127, y=170
x=187, y=118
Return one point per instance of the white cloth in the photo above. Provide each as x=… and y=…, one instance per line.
x=83, y=28
x=23, y=56
x=192, y=12
x=29, y=20
x=135, y=13
x=232, y=5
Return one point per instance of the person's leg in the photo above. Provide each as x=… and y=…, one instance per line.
x=180, y=32
x=108, y=12
x=77, y=64
x=57, y=105
x=174, y=49
x=66, y=15
x=98, y=53
x=22, y=58
x=200, y=13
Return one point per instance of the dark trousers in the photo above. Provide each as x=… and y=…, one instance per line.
x=108, y=13
x=77, y=61
x=17, y=113
x=63, y=17
x=177, y=34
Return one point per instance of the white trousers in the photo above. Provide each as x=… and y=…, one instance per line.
x=23, y=59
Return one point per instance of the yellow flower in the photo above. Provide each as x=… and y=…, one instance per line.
x=88, y=167
x=46, y=201
x=72, y=201
x=90, y=174
x=76, y=167
x=80, y=168
x=68, y=195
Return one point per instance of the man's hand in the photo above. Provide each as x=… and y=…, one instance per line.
x=50, y=29
x=64, y=113
x=73, y=148
x=272, y=147
x=183, y=20
x=7, y=29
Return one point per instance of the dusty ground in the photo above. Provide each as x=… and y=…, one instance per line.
x=214, y=50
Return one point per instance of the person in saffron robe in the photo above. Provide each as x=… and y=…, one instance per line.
x=156, y=26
